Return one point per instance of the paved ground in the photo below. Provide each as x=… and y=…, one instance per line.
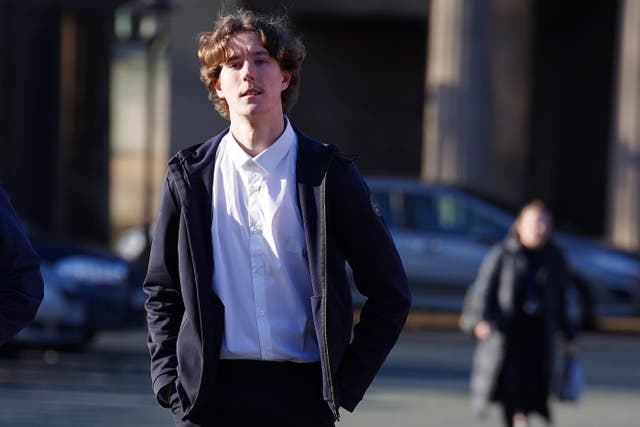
x=424, y=383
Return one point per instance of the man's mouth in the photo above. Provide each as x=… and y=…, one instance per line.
x=251, y=92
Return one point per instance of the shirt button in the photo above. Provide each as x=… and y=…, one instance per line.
x=261, y=312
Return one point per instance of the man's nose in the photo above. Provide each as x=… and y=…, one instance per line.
x=248, y=71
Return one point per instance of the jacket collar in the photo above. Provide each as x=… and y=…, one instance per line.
x=312, y=160
x=199, y=161
x=513, y=245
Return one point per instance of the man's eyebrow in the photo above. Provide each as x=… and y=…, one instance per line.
x=255, y=53
x=261, y=52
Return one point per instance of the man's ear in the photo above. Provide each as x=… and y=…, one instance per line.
x=286, y=79
x=218, y=88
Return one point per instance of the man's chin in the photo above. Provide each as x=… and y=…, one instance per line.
x=252, y=110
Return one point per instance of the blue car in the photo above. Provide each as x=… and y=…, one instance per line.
x=86, y=290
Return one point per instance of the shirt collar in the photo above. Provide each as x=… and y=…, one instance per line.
x=269, y=158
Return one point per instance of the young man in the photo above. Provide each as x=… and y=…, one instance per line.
x=249, y=306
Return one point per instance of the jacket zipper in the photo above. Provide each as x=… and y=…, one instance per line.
x=323, y=267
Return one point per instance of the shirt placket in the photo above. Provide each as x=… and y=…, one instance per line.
x=258, y=261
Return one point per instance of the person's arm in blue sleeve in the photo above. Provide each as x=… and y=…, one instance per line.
x=21, y=286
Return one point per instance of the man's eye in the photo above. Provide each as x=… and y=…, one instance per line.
x=234, y=65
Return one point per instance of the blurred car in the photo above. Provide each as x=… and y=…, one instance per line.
x=87, y=289
x=60, y=320
x=442, y=234
x=133, y=245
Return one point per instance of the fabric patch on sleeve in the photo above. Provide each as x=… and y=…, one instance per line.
x=375, y=205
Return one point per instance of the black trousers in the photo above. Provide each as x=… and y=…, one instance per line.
x=260, y=393
x=524, y=383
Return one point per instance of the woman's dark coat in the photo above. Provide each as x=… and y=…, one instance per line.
x=491, y=298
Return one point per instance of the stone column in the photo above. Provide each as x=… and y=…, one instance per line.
x=55, y=113
x=456, y=133
x=477, y=95
x=511, y=81
x=624, y=163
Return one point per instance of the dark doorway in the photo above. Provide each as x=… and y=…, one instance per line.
x=575, y=45
x=363, y=89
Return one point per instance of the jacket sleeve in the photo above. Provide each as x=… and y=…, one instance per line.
x=21, y=285
x=164, y=306
x=481, y=300
x=378, y=275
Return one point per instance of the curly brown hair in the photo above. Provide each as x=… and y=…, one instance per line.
x=277, y=38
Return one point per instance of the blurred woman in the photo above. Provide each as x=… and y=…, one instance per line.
x=513, y=309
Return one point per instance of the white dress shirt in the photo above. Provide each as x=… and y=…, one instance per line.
x=260, y=272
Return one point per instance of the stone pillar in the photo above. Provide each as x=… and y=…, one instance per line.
x=624, y=181
x=511, y=81
x=55, y=113
x=82, y=191
x=456, y=133
x=477, y=95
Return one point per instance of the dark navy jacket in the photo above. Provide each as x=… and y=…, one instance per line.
x=185, y=317
x=21, y=287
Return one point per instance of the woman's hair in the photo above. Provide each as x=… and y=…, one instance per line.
x=277, y=38
x=536, y=204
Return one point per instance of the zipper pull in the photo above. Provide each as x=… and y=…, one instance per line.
x=336, y=413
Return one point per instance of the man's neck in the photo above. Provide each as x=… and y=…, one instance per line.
x=254, y=137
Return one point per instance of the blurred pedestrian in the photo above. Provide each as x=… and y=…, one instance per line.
x=513, y=309
x=21, y=287
x=249, y=307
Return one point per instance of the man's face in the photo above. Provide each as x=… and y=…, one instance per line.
x=251, y=81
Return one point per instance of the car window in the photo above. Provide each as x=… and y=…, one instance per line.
x=421, y=213
x=443, y=213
